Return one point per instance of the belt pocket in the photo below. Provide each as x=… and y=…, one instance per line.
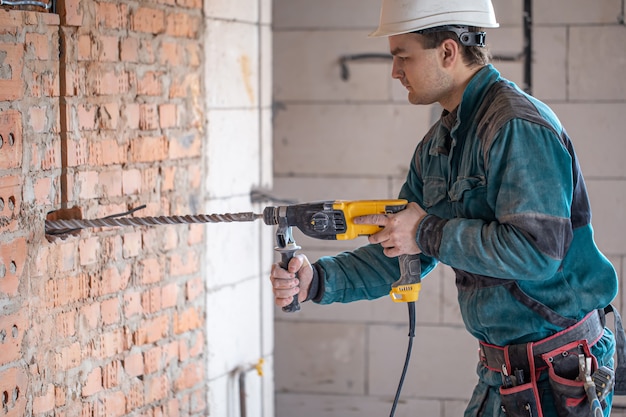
x=520, y=401
x=566, y=381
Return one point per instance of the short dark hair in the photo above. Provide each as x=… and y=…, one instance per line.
x=472, y=55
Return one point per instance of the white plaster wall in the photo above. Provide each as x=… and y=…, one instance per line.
x=238, y=80
x=353, y=139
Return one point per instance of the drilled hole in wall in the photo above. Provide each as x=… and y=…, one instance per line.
x=16, y=394
x=11, y=139
x=15, y=331
x=13, y=267
x=3, y=335
x=5, y=398
x=11, y=203
x=1, y=203
x=3, y=271
x=1, y=141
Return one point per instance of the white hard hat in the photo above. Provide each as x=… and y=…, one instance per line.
x=404, y=16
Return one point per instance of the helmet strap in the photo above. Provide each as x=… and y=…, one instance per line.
x=466, y=37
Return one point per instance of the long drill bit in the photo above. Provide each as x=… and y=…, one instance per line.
x=57, y=227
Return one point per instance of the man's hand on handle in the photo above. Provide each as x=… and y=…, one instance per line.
x=292, y=282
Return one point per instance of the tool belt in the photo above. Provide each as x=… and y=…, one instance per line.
x=570, y=365
x=590, y=328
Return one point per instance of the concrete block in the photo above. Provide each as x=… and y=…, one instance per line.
x=576, y=12
x=231, y=64
x=443, y=365
x=308, y=66
x=232, y=151
x=307, y=189
x=365, y=140
x=596, y=70
x=608, y=203
x=550, y=63
x=327, y=14
x=239, y=10
x=335, y=353
x=308, y=405
x=233, y=327
x=597, y=138
x=266, y=67
x=508, y=13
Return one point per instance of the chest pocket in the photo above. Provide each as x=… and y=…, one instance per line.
x=434, y=191
x=468, y=195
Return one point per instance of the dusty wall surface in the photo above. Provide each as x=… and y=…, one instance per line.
x=353, y=139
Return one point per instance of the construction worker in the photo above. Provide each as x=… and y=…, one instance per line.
x=496, y=193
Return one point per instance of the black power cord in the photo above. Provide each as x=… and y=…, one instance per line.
x=411, y=306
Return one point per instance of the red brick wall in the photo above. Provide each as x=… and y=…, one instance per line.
x=101, y=108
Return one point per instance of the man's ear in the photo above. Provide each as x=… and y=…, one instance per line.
x=449, y=52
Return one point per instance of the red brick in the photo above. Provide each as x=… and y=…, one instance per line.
x=88, y=250
x=198, y=347
x=157, y=388
x=115, y=279
x=14, y=381
x=68, y=357
x=90, y=315
x=112, y=15
x=151, y=300
x=168, y=178
x=45, y=402
x=66, y=324
x=135, y=397
x=183, y=25
x=45, y=191
x=93, y=384
x=148, y=149
x=111, y=182
x=148, y=117
x=184, y=264
x=38, y=44
x=71, y=12
x=152, y=330
x=187, y=320
x=131, y=182
x=60, y=396
x=86, y=114
x=13, y=256
x=129, y=49
x=88, y=183
x=148, y=20
x=169, y=295
x=150, y=84
x=194, y=288
x=131, y=113
x=191, y=375
x=38, y=119
x=109, y=50
x=168, y=116
x=111, y=375
x=133, y=364
x=110, y=344
x=132, y=244
x=12, y=329
x=12, y=89
x=84, y=48
x=115, y=404
x=152, y=359
x=132, y=304
x=11, y=203
x=109, y=116
x=170, y=54
x=110, y=311
x=10, y=139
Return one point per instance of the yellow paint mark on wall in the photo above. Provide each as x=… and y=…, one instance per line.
x=246, y=73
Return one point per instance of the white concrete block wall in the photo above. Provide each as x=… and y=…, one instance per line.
x=238, y=79
x=336, y=139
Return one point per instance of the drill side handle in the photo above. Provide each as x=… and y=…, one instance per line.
x=286, y=254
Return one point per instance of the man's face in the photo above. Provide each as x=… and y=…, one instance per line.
x=418, y=69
